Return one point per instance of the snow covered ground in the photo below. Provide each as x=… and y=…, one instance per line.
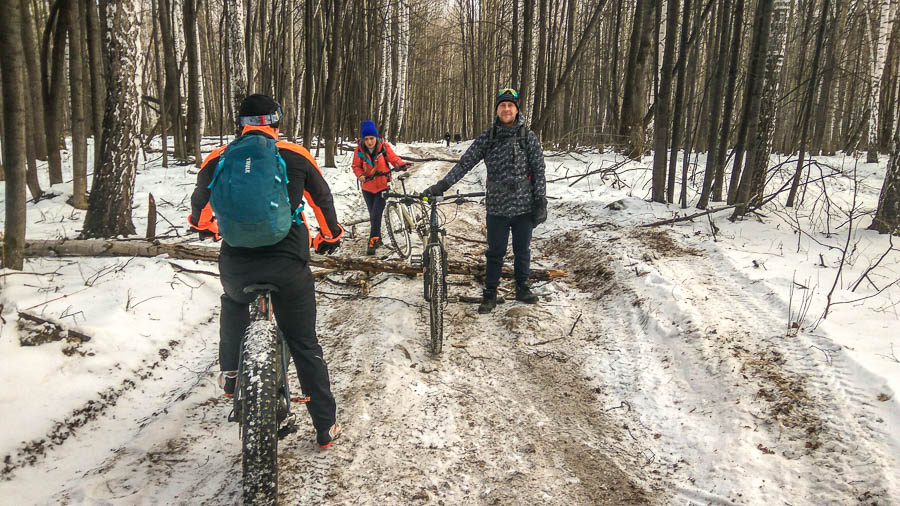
x=688, y=363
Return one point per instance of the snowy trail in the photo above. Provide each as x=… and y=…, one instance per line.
x=657, y=373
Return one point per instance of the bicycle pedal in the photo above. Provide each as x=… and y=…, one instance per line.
x=415, y=260
x=287, y=430
x=300, y=399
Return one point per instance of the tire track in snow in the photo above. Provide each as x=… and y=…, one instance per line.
x=752, y=386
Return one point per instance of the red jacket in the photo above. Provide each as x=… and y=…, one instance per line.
x=363, y=165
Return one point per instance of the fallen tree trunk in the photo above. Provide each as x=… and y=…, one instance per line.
x=140, y=248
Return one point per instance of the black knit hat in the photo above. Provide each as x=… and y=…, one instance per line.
x=507, y=95
x=259, y=109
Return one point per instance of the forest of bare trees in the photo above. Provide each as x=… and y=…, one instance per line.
x=735, y=79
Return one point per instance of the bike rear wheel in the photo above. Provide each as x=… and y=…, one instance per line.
x=260, y=366
x=436, y=290
x=398, y=231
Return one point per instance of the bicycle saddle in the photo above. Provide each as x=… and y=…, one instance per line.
x=404, y=175
x=260, y=287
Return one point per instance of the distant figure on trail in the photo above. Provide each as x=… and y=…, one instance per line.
x=447, y=138
x=516, y=193
x=457, y=138
x=268, y=243
x=370, y=165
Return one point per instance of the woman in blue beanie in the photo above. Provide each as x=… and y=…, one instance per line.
x=370, y=164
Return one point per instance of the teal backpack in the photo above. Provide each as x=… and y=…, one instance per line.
x=249, y=193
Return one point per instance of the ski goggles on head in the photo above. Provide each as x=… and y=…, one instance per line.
x=264, y=120
x=511, y=91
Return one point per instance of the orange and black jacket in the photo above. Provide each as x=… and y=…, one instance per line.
x=305, y=182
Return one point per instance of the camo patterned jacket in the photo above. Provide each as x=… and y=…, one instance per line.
x=515, y=173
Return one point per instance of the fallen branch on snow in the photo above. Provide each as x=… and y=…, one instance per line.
x=135, y=248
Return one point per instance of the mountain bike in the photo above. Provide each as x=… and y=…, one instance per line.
x=404, y=218
x=262, y=399
x=434, y=260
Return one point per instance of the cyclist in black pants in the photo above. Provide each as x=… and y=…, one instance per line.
x=284, y=264
x=516, y=193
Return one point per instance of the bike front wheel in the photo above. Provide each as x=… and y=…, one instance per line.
x=397, y=229
x=259, y=413
x=436, y=291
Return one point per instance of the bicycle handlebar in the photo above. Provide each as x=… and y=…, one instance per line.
x=402, y=168
x=413, y=197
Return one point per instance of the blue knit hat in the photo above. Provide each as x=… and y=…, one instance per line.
x=368, y=129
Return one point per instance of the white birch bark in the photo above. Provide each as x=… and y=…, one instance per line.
x=236, y=57
x=112, y=190
x=403, y=56
x=386, y=87
x=879, y=29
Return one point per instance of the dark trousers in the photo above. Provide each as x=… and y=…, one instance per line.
x=375, y=203
x=498, y=228
x=295, y=311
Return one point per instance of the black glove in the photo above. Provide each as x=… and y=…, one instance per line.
x=436, y=189
x=327, y=248
x=539, y=211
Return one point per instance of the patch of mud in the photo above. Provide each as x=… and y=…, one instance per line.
x=588, y=267
x=661, y=242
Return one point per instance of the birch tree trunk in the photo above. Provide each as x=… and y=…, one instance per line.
x=403, y=66
x=887, y=214
x=12, y=69
x=112, y=191
x=235, y=58
x=879, y=28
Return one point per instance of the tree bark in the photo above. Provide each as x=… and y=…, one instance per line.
x=79, y=128
x=112, y=191
x=141, y=248
x=752, y=98
x=718, y=90
x=194, y=84
x=661, y=118
x=334, y=9
x=806, y=112
x=52, y=84
x=32, y=64
x=98, y=83
x=12, y=70
x=887, y=214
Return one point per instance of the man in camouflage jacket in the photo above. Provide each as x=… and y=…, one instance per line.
x=516, y=193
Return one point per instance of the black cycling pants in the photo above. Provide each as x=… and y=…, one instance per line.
x=375, y=202
x=498, y=229
x=295, y=311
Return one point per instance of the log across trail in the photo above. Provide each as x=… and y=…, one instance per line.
x=142, y=248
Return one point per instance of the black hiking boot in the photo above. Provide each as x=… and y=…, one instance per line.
x=524, y=293
x=488, y=300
